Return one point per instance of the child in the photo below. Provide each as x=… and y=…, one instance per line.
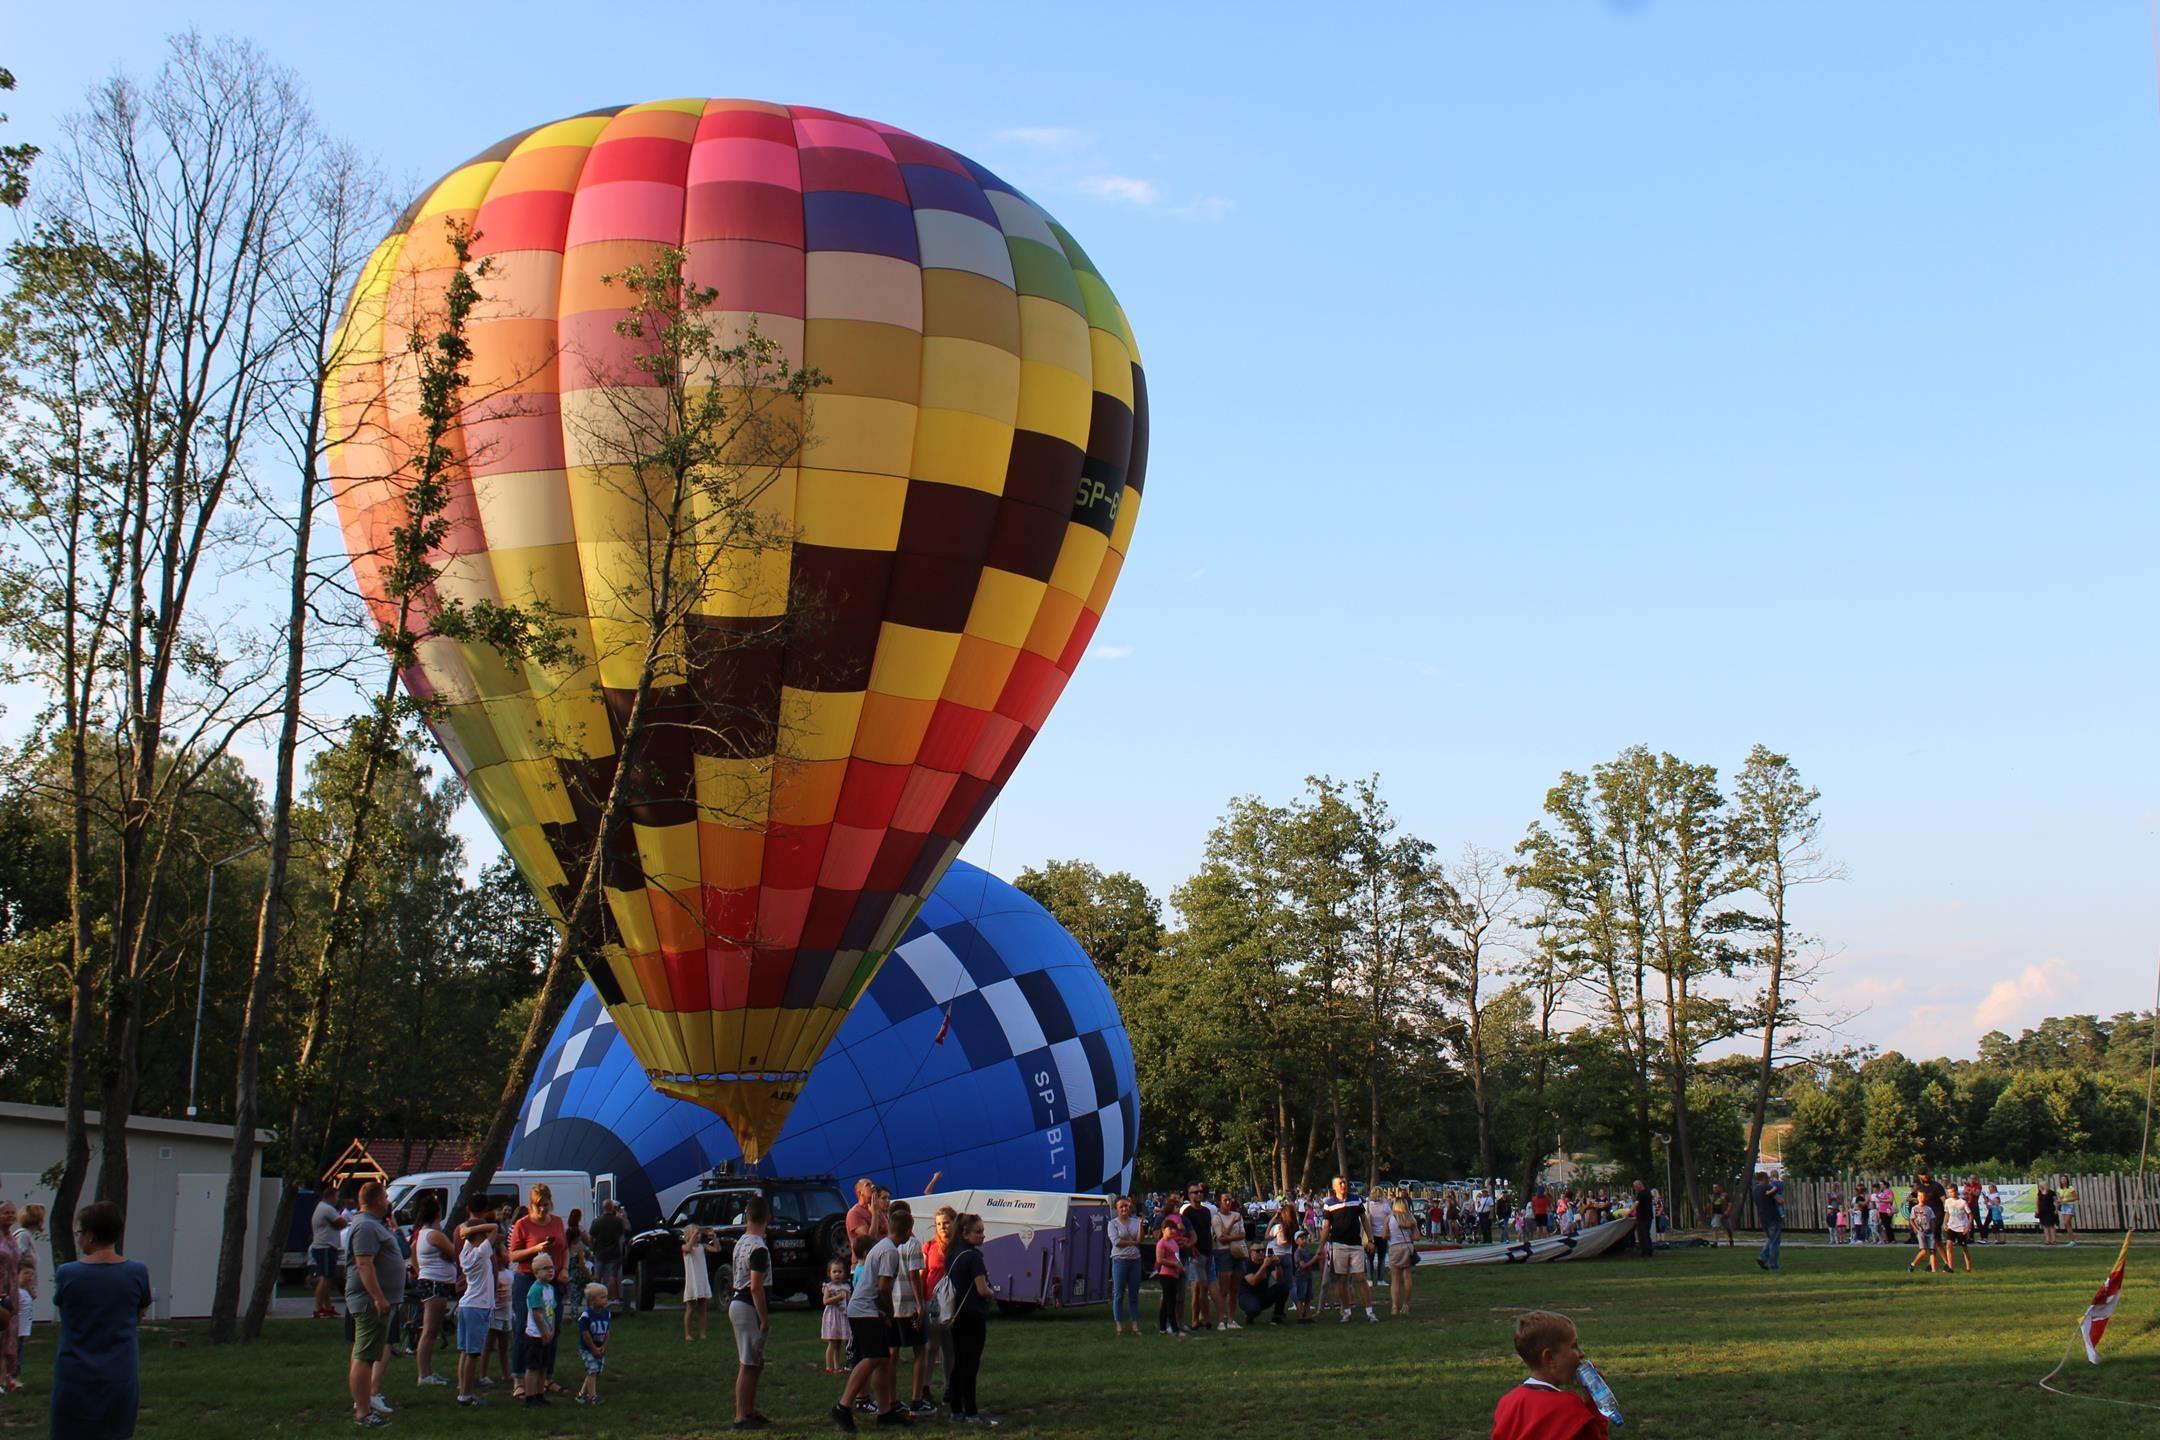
x=498, y=1336
x=592, y=1328
x=1549, y=1405
x=1923, y=1232
x=1170, y=1274
x=833, y=1326
x=1302, y=1261
x=1957, y=1226
x=475, y=1305
x=25, y=1298
x=540, y=1326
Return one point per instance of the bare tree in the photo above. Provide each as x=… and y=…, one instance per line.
x=436, y=355
x=59, y=591
x=339, y=213
x=178, y=186
x=1775, y=829
x=1479, y=915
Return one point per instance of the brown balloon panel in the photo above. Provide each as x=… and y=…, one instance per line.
x=853, y=690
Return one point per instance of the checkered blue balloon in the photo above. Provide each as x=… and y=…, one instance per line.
x=987, y=1048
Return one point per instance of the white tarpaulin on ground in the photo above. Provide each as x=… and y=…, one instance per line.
x=1594, y=1241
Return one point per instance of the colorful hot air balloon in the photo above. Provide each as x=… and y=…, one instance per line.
x=957, y=518
x=1034, y=1058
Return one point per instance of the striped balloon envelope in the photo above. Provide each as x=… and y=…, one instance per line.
x=987, y=1051
x=953, y=521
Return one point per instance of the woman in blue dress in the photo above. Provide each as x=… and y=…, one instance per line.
x=101, y=1298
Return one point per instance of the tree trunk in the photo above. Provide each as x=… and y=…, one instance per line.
x=82, y=1001
x=269, y=922
x=1760, y=1111
x=1285, y=1136
x=1480, y=1101
x=1372, y=1118
x=1676, y=1078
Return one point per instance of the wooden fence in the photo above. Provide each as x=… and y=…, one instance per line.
x=2105, y=1202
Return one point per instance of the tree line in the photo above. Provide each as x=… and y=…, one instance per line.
x=1340, y=996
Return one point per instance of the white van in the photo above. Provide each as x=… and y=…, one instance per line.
x=572, y=1189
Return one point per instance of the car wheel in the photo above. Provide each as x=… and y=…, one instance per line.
x=829, y=1244
x=723, y=1284
x=646, y=1299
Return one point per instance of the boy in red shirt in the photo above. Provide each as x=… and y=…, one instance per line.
x=1547, y=1406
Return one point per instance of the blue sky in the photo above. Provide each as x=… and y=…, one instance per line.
x=1529, y=381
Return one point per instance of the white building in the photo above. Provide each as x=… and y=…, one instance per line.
x=175, y=1204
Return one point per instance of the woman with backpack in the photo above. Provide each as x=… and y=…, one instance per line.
x=969, y=1299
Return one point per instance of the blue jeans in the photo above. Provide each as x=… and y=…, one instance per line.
x=1125, y=1290
x=1773, y=1236
x=520, y=1282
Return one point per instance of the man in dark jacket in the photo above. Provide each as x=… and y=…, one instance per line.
x=1645, y=1221
x=607, y=1235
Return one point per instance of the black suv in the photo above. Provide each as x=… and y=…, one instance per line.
x=808, y=1228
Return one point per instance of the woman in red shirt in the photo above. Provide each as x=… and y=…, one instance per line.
x=539, y=1231
x=937, y=1254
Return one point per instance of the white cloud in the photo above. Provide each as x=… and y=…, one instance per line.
x=2009, y=1001
x=1206, y=207
x=1046, y=137
x=1109, y=652
x=1127, y=188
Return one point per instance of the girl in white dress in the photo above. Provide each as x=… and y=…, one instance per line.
x=697, y=1244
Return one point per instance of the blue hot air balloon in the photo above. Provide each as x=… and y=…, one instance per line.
x=987, y=1048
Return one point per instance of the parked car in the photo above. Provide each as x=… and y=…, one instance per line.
x=572, y=1189
x=808, y=1228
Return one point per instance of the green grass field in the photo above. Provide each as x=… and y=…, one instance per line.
x=1696, y=1343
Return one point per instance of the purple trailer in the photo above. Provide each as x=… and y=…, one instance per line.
x=1040, y=1247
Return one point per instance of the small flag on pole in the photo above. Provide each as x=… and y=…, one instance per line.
x=2095, y=1323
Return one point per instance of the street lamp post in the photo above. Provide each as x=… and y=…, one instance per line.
x=202, y=973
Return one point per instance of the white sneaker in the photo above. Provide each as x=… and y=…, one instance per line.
x=1346, y=1315
x=433, y=1380
x=1235, y=1326
x=382, y=1406
x=1375, y=1319
x=1220, y=1325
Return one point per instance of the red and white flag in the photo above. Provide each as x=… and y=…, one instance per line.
x=2095, y=1323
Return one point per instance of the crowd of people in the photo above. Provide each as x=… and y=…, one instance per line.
x=508, y=1288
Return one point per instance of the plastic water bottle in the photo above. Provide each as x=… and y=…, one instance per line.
x=1586, y=1374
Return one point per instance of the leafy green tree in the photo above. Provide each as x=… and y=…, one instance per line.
x=1821, y=1140
x=1890, y=1141
x=1775, y=828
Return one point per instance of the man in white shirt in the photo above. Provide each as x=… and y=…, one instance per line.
x=911, y=1299
x=325, y=1240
